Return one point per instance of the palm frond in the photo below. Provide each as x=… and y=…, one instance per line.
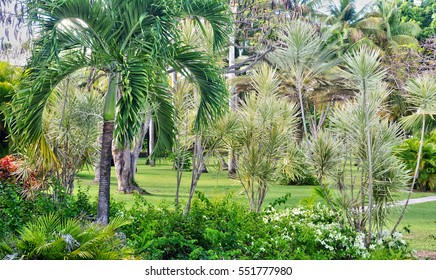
x=31, y=99
x=197, y=67
x=216, y=12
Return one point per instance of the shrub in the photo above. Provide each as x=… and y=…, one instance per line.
x=16, y=209
x=50, y=237
x=224, y=229
x=407, y=151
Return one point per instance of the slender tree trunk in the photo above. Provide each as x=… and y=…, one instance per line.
x=106, y=146
x=151, y=142
x=415, y=175
x=303, y=117
x=197, y=166
x=369, y=151
x=231, y=166
x=105, y=173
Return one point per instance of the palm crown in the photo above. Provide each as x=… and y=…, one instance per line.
x=137, y=40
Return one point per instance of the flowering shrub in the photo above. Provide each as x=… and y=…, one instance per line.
x=16, y=171
x=225, y=230
x=8, y=165
x=314, y=231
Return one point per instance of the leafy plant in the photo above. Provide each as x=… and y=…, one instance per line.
x=50, y=237
x=407, y=151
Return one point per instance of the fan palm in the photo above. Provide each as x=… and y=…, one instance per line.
x=134, y=42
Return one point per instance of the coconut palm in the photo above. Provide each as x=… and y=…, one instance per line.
x=422, y=97
x=346, y=19
x=385, y=27
x=134, y=42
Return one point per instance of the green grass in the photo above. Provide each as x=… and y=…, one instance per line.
x=160, y=181
x=420, y=220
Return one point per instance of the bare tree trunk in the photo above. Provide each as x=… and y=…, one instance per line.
x=231, y=166
x=369, y=151
x=125, y=165
x=105, y=173
x=122, y=162
x=151, y=142
x=197, y=166
x=139, y=142
x=303, y=117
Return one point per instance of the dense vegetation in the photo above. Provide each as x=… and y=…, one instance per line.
x=335, y=97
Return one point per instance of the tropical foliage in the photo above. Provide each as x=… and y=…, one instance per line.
x=339, y=98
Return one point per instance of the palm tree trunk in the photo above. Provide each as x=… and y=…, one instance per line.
x=106, y=147
x=105, y=173
x=231, y=165
x=415, y=175
x=97, y=164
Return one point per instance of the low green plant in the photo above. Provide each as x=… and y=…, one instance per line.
x=16, y=209
x=407, y=151
x=49, y=237
x=223, y=229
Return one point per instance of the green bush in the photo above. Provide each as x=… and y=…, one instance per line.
x=223, y=229
x=17, y=210
x=50, y=237
x=407, y=151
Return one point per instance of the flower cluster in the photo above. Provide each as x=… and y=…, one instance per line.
x=318, y=227
x=8, y=165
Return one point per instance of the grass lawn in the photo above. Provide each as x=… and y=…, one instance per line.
x=160, y=181
x=420, y=220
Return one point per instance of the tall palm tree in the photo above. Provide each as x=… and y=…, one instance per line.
x=346, y=18
x=134, y=42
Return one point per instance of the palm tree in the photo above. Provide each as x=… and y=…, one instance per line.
x=345, y=18
x=422, y=97
x=386, y=29
x=134, y=42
